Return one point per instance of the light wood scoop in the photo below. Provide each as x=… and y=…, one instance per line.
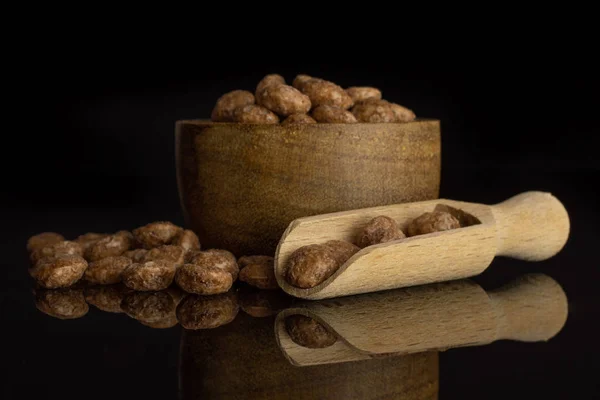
x=531, y=226
x=431, y=317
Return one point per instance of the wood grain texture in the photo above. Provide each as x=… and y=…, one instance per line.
x=242, y=360
x=240, y=185
x=530, y=226
x=431, y=317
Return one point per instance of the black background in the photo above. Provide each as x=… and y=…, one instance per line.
x=94, y=151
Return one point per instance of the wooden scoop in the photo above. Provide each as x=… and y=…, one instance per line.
x=430, y=317
x=531, y=226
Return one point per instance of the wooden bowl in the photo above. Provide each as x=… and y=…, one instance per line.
x=241, y=185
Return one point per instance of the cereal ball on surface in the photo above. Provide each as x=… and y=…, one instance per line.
x=363, y=93
x=89, y=239
x=63, y=248
x=150, y=275
x=374, y=111
x=110, y=246
x=260, y=274
x=203, y=279
x=156, y=234
x=44, y=239
x=311, y=265
x=59, y=271
x=283, y=100
x=333, y=115
x=342, y=250
x=207, y=312
x=298, y=119
x=218, y=258
x=254, y=114
x=187, y=239
x=271, y=79
x=430, y=222
x=300, y=80
x=136, y=255
x=380, y=229
x=321, y=92
x=228, y=103
x=107, y=271
x=61, y=303
x=174, y=254
x=247, y=260
x=402, y=114
x=309, y=333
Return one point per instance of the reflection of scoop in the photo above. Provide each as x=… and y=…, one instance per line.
x=432, y=317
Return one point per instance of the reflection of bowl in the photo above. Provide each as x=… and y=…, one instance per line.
x=242, y=360
x=241, y=185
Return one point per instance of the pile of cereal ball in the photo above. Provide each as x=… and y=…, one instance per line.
x=156, y=274
x=307, y=101
x=150, y=258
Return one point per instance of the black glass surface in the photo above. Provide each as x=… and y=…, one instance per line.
x=110, y=354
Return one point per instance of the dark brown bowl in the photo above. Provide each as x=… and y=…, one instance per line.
x=241, y=185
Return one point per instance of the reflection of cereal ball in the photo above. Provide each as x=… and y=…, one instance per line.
x=156, y=234
x=203, y=279
x=310, y=265
x=44, y=239
x=89, y=239
x=430, y=222
x=165, y=323
x=380, y=229
x=227, y=104
x=61, y=303
x=110, y=246
x=63, y=248
x=107, y=270
x=174, y=254
x=106, y=297
x=262, y=303
x=342, y=250
x=150, y=275
x=176, y=293
x=59, y=271
x=309, y=333
x=222, y=259
x=207, y=312
x=149, y=307
x=136, y=255
x=187, y=239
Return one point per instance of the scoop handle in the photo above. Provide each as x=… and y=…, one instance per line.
x=531, y=226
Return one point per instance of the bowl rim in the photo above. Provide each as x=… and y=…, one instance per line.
x=208, y=122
